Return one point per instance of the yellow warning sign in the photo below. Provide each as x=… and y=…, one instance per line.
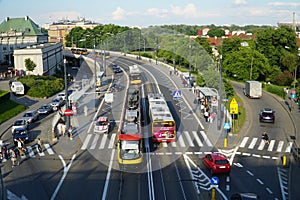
x=234, y=107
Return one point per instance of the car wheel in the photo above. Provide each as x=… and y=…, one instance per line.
x=55, y=108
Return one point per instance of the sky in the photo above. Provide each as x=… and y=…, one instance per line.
x=144, y=13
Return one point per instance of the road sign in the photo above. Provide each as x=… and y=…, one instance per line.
x=234, y=107
x=227, y=125
x=177, y=94
x=68, y=112
x=109, y=97
x=214, y=180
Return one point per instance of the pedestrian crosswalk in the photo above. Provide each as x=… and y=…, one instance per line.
x=33, y=151
x=259, y=144
x=184, y=139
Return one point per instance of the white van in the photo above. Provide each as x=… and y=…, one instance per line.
x=17, y=88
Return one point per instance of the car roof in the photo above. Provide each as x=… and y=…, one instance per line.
x=267, y=110
x=102, y=119
x=218, y=156
x=30, y=111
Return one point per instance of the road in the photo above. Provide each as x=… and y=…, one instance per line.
x=87, y=167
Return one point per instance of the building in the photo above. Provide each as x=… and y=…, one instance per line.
x=18, y=33
x=58, y=30
x=47, y=56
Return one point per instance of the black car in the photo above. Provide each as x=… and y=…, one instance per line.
x=20, y=133
x=117, y=69
x=267, y=115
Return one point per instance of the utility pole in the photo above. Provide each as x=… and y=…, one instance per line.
x=220, y=95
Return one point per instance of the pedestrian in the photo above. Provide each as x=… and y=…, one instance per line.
x=193, y=89
x=211, y=117
x=70, y=132
x=85, y=110
x=13, y=157
x=202, y=108
x=20, y=147
x=170, y=72
x=39, y=145
x=63, y=129
x=206, y=115
x=59, y=128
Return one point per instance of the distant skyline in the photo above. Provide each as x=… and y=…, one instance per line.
x=156, y=12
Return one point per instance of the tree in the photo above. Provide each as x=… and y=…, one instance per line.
x=216, y=32
x=29, y=65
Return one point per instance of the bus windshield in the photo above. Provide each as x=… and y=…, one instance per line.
x=163, y=124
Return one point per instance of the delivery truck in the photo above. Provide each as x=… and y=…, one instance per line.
x=17, y=88
x=253, y=89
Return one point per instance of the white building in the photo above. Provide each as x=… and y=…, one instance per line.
x=47, y=57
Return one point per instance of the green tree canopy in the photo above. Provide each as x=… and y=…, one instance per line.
x=29, y=65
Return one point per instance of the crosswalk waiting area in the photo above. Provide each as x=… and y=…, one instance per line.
x=32, y=151
x=184, y=139
x=259, y=144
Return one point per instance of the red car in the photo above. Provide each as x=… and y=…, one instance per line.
x=217, y=163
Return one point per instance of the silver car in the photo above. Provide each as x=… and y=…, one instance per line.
x=31, y=116
x=20, y=123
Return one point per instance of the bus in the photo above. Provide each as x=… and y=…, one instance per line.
x=135, y=76
x=162, y=121
x=130, y=137
x=79, y=51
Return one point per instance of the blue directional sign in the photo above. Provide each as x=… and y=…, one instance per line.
x=177, y=94
x=214, y=180
x=227, y=125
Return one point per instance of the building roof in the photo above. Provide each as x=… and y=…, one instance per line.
x=25, y=25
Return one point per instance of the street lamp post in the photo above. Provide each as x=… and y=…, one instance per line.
x=190, y=65
x=67, y=118
x=220, y=95
x=174, y=57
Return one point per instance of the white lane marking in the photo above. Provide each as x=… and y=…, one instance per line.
x=40, y=153
x=164, y=144
x=86, y=141
x=49, y=149
x=238, y=165
x=255, y=155
x=289, y=147
x=266, y=156
x=246, y=154
x=271, y=145
x=30, y=152
x=244, y=141
x=178, y=153
x=206, y=139
x=189, y=139
x=94, y=143
x=269, y=190
x=103, y=141
x=258, y=180
x=252, y=144
x=280, y=145
x=66, y=169
x=227, y=188
x=173, y=144
x=200, y=144
x=250, y=173
x=181, y=141
x=275, y=158
x=112, y=141
x=261, y=145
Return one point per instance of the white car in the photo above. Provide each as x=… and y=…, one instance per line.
x=101, y=125
x=20, y=123
x=61, y=95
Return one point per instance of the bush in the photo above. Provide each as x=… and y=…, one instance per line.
x=284, y=78
x=275, y=89
x=42, y=86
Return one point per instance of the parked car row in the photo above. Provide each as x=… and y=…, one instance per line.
x=20, y=128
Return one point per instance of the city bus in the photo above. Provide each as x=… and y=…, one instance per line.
x=79, y=51
x=130, y=137
x=135, y=76
x=162, y=121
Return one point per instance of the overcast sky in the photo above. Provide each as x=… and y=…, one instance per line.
x=155, y=12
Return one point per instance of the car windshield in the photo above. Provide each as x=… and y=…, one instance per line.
x=28, y=115
x=221, y=162
x=264, y=114
x=19, y=122
x=19, y=132
x=101, y=123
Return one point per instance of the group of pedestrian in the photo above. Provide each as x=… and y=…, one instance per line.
x=61, y=128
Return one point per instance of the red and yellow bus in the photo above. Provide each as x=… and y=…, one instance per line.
x=163, y=123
